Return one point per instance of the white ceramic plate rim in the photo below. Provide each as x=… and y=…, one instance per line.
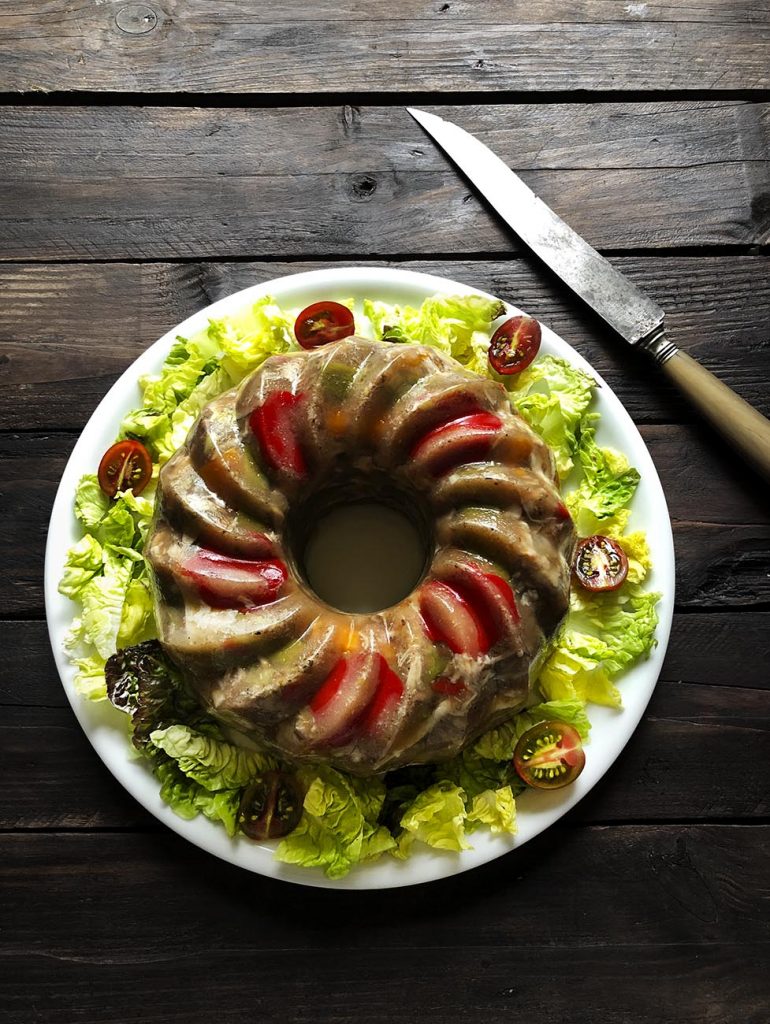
x=105, y=727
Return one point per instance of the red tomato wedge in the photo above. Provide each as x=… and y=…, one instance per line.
x=344, y=697
x=451, y=620
x=357, y=696
x=225, y=582
x=390, y=690
x=465, y=439
x=126, y=466
x=600, y=563
x=488, y=594
x=514, y=345
x=323, y=323
x=274, y=424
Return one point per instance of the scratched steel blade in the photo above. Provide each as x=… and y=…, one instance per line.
x=625, y=307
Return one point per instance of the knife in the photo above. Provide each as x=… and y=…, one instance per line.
x=634, y=315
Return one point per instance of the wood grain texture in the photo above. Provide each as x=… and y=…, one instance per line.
x=239, y=47
x=68, y=331
x=221, y=943
x=129, y=183
x=687, y=760
x=719, y=564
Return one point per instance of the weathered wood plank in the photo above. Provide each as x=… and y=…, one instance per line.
x=686, y=761
x=69, y=330
x=718, y=564
x=127, y=183
x=336, y=47
x=592, y=983
x=612, y=924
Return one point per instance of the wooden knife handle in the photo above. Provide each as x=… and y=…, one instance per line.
x=747, y=429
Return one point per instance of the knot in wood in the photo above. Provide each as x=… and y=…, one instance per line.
x=136, y=19
x=362, y=187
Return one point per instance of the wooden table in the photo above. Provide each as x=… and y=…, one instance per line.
x=157, y=156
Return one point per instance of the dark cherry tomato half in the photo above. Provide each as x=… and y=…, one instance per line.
x=271, y=806
x=514, y=345
x=549, y=755
x=600, y=563
x=127, y=466
x=322, y=323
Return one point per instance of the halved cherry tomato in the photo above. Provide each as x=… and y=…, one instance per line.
x=271, y=806
x=322, y=323
x=273, y=422
x=600, y=563
x=549, y=755
x=514, y=345
x=126, y=466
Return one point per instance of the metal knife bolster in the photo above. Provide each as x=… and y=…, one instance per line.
x=657, y=344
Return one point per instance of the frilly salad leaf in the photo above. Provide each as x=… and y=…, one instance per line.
x=457, y=324
x=211, y=762
x=339, y=826
x=605, y=491
x=437, y=818
x=495, y=808
x=188, y=798
x=144, y=683
x=604, y=634
x=554, y=397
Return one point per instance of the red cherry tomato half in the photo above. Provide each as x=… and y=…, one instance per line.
x=127, y=466
x=549, y=755
x=514, y=345
x=600, y=563
x=322, y=323
x=271, y=806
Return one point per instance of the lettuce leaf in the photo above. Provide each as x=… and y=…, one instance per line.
x=188, y=798
x=495, y=808
x=437, y=818
x=339, y=826
x=211, y=762
x=605, y=633
x=456, y=324
x=245, y=340
x=553, y=397
x=91, y=503
x=84, y=561
x=606, y=489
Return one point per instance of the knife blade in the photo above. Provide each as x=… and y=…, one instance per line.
x=627, y=309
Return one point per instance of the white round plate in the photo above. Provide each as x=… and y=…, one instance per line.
x=105, y=726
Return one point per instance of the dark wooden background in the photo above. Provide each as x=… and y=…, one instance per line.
x=157, y=156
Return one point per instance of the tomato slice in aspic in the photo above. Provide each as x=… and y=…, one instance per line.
x=274, y=424
x=357, y=697
x=225, y=582
x=490, y=596
x=466, y=439
x=390, y=690
x=451, y=620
